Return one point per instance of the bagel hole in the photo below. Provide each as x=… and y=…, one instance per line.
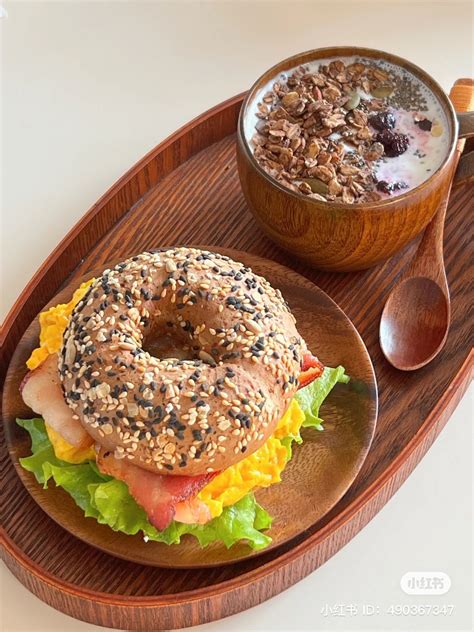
x=163, y=345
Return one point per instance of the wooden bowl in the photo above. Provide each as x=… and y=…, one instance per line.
x=336, y=236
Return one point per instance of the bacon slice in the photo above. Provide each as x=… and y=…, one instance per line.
x=310, y=370
x=162, y=497
x=42, y=392
x=193, y=511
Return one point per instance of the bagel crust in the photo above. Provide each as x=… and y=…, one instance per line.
x=172, y=415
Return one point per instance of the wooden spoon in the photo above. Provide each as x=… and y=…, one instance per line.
x=415, y=321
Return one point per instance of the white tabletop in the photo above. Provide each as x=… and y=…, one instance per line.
x=87, y=89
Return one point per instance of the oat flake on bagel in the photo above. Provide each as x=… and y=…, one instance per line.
x=172, y=415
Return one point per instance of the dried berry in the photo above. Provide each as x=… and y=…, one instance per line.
x=424, y=124
x=382, y=120
x=390, y=187
x=394, y=144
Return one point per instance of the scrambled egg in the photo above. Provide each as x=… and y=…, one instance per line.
x=67, y=452
x=53, y=323
x=260, y=469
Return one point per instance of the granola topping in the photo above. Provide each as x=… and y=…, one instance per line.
x=348, y=130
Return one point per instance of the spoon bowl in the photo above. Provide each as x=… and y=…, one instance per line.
x=415, y=320
x=410, y=338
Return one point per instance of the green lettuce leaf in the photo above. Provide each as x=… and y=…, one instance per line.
x=287, y=442
x=108, y=500
x=42, y=457
x=312, y=396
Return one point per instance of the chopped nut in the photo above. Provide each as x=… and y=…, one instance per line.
x=322, y=173
x=334, y=187
x=374, y=152
x=348, y=170
x=331, y=94
x=313, y=149
x=335, y=67
x=324, y=157
x=290, y=99
x=335, y=120
x=364, y=133
x=305, y=188
x=347, y=196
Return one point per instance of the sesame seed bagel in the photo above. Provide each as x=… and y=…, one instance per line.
x=181, y=416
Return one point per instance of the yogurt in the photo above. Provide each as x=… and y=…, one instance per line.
x=417, y=113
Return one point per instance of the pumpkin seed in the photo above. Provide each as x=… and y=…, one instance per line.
x=353, y=101
x=380, y=92
x=317, y=186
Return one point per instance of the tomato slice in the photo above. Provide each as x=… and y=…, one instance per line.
x=311, y=369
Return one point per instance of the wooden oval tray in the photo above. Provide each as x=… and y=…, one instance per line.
x=187, y=191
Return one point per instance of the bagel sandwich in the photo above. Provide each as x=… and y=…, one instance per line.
x=174, y=441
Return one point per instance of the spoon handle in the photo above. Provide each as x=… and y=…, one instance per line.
x=429, y=256
x=462, y=97
x=466, y=124
x=465, y=171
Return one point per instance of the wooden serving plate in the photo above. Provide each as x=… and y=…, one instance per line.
x=319, y=473
x=187, y=191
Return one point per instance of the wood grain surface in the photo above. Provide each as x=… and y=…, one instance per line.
x=197, y=199
x=319, y=473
